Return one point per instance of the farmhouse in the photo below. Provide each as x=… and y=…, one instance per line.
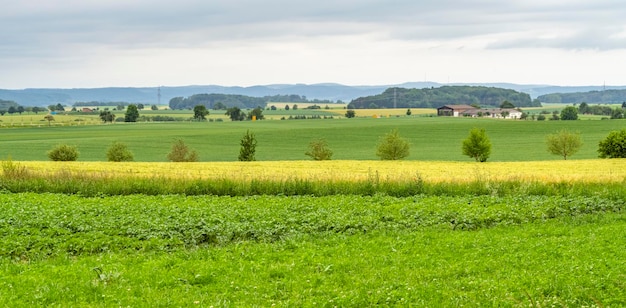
x=471, y=111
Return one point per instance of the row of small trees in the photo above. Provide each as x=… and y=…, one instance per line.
x=390, y=147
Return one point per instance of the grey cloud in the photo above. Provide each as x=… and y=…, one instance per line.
x=188, y=23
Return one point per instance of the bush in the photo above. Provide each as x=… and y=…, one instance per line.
x=392, y=147
x=63, y=152
x=181, y=153
x=119, y=152
x=477, y=145
x=614, y=145
x=318, y=150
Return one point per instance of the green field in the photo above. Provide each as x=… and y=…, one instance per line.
x=72, y=239
x=60, y=250
x=431, y=138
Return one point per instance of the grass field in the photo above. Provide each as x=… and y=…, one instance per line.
x=432, y=139
x=525, y=229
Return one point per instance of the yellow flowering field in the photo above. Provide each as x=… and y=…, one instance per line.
x=594, y=170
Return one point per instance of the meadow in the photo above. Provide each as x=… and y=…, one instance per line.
x=438, y=229
x=431, y=138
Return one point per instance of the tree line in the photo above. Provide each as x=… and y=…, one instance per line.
x=446, y=95
x=224, y=101
x=594, y=97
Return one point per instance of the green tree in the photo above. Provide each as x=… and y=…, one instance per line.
x=618, y=113
x=295, y=107
x=59, y=107
x=248, y=147
x=408, y=112
x=119, y=152
x=12, y=110
x=200, y=112
x=140, y=106
x=107, y=116
x=318, y=150
x=477, y=145
x=63, y=152
x=131, y=113
x=181, y=153
x=154, y=107
x=614, y=145
x=392, y=147
x=235, y=114
x=350, y=113
x=569, y=113
x=256, y=112
x=20, y=109
x=564, y=143
x=583, y=108
x=507, y=105
x=219, y=106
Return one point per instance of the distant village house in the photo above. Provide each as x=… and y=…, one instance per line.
x=471, y=111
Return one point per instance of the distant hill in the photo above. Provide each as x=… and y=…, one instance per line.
x=323, y=91
x=446, y=95
x=591, y=97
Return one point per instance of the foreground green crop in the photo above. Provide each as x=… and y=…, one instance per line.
x=62, y=250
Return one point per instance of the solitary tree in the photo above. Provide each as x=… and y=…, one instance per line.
x=569, y=113
x=564, y=143
x=131, y=113
x=248, y=147
x=48, y=118
x=408, y=112
x=614, y=145
x=318, y=150
x=477, y=145
x=350, y=113
x=119, y=152
x=200, y=112
x=154, y=107
x=181, y=152
x=392, y=147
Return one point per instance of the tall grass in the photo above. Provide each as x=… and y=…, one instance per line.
x=16, y=178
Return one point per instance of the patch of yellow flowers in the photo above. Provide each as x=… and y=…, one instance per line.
x=593, y=170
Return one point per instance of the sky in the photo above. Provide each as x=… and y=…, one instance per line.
x=137, y=43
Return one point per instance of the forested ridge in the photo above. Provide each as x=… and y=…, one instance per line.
x=446, y=95
x=221, y=101
x=592, y=97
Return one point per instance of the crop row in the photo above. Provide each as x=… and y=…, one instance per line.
x=42, y=225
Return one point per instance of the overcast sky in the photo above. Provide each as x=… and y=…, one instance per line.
x=87, y=43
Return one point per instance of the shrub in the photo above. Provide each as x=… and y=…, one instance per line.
x=181, y=153
x=477, y=145
x=392, y=147
x=318, y=150
x=63, y=152
x=614, y=145
x=119, y=152
x=248, y=147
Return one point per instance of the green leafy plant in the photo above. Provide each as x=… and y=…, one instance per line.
x=318, y=150
x=181, y=153
x=614, y=145
x=564, y=143
x=63, y=152
x=392, y=146
x=248, y=147
x=119, y=152
x=477, y=145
